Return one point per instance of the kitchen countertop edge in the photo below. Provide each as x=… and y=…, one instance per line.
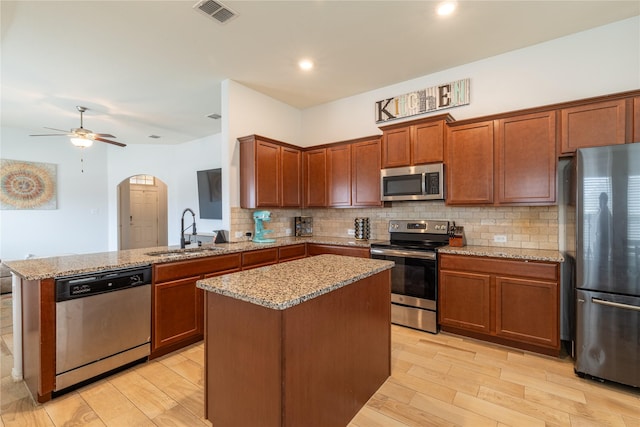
x=502, y=252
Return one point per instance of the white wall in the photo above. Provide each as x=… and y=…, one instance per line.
x=79, y=224
x=600, y=61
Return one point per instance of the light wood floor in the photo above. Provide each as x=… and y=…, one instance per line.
x=439, y=380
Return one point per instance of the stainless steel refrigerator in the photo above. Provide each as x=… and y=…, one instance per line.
x=606, y=255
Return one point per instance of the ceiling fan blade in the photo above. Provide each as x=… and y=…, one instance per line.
x=51, y=134
x=59, y=130
x=119, y=144
x=104, y=135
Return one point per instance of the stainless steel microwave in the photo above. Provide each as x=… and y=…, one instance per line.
x=422, y=182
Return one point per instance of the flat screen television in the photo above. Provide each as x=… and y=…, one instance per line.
x=210, y=193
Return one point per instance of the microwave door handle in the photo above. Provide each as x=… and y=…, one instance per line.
x=423, y=178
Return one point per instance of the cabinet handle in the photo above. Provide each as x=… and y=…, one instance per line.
x=615, y=304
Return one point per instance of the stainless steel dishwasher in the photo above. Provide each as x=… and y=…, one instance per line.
x=103, y=321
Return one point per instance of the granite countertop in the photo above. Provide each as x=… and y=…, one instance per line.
x=284, y=285
x=498, y=252
x=52, y=267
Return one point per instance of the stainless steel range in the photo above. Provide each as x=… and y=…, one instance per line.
x=414, y=279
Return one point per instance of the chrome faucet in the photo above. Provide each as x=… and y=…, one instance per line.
x=182, y=229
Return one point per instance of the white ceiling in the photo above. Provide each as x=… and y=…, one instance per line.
x=154, y=67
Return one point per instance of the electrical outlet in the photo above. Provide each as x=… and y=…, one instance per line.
x=351, y=232
x=500, y=238
x=239, y=234
x=287, y=232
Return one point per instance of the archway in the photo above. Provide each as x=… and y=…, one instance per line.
x=142, y=212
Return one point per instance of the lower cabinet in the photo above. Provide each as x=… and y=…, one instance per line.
x=177, y=316
x=510, y=302
x=319, y=249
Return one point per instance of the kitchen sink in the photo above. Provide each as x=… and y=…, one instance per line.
x=178, y=252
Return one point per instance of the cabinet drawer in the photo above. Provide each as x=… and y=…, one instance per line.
x=259, y=258
x=287, y=253
x=318, y=249
x=195, y=267
x=534, y=269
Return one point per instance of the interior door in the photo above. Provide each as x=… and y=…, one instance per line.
x=143, y=217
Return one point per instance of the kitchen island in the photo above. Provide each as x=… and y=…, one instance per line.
x=304, y=342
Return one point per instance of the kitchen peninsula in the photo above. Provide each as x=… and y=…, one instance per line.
x=305, y=342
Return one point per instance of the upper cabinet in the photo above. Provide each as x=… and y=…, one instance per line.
x=469, y=164
x=339, y=175
x=365, y=173
x=270, y=173
x=636, y=119
x=525, y=159
x=415, y=142
x=508, y=161
x=315, y=178
x=592, y=125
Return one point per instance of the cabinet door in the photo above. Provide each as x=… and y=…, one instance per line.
x=365, y=167
x=469, y=164
x=315, y=178
x=592, y=125
x=339, y=175
x=427, y=143
x=527, y=311
x=636, y=119
x=396, y=147
x=464, y=301
x=267, y=174
x=525, y=162
x=177, y=312
x=291, y=173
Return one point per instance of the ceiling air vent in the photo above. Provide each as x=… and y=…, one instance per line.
x=215, y=10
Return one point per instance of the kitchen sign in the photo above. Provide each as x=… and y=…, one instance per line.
x=422, y=101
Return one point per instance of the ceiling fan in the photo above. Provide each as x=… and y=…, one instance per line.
x=81, y=137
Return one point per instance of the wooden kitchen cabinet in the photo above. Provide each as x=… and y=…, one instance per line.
x=289, y=253
x=270, y=173
x=636, y=119
x=469, y=163
x=177, y=318
x=319, y=249
x=525, y=159
x=415, y=142
x=591, y=125
x=315, y=178
x=259, y=258
x=339, y=175
x=365, y=169
x=510, y=302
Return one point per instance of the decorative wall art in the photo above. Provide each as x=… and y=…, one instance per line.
x=27, y=185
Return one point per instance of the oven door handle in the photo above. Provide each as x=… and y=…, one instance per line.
x=406, y=254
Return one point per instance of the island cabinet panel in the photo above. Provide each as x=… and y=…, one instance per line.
x=315, y=178
x=177, y=317
x=39, y=337
x=319, y=249
x=270, y=173
x=259, y=258
x=339, y=175
x=511, y=302
x=525, y=161
x=289, y=253
x=314, y=364
x=469, y=164
x=592, y=125
x=365, y=167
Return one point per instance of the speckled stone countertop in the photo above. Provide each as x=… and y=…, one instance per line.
x=497, y=252
x=60, y=266
x=284, y=285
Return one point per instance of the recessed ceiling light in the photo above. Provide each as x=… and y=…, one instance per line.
x=446, y=8
x=305, y=64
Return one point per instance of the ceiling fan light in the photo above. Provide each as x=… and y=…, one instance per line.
x=82, y=142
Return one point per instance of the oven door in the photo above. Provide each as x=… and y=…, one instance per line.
x=413, y=278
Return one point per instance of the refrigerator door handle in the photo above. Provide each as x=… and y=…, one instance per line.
x=614, y=304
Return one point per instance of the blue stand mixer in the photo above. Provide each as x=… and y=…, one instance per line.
x=259, y=232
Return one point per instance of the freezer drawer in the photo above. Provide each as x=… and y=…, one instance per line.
x=608, y=336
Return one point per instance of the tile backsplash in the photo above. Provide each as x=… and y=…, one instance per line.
x=530, y=227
